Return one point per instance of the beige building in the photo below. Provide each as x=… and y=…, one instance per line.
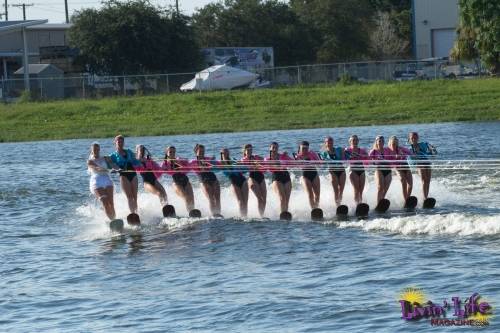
x=47, y=43
x=434, y=27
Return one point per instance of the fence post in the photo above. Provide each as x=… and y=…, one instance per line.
x=168, y=85
x=40, y=81
x=299, y=79
x=83, y=86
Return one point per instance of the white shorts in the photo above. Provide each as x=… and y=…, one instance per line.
x=99, y=181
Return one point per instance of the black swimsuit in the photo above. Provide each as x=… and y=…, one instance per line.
x=257, y=176
x=129, y=172
x=207, y=177
x=357, y=167
x=403, y=166
x=310, y=174
x=237, y=179
x=180, y=179
x=148, y=177
x=336, y=170
x=281, y=176
x=384, y=167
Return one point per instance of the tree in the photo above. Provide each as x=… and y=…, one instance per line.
x=342, y=28
x=391, y=5
x=385, y=42
x=399, y=13
x=133, y=37
x=479, y=32
x=255, y=23
x=464, y=47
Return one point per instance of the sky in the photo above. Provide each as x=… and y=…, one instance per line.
x=53, y=10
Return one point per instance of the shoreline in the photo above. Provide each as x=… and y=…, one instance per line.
x=254, y=110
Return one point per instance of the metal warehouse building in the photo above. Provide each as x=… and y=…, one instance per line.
x=434, y=27
x=44, y=42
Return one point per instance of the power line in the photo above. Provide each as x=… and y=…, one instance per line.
x=24, y=5
x=49, y=9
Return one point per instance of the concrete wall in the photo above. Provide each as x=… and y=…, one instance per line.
x=433, y=19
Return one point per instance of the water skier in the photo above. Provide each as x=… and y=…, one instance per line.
x=256, y=179
x=239, y=183
x=101, y=184
x=356, y=155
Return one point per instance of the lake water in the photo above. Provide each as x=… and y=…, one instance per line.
x=62, y=270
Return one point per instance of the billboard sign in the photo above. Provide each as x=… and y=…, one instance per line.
x=247, y=58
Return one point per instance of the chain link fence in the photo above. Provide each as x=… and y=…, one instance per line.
x=91, y=86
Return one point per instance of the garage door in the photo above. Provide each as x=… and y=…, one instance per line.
x=442, y=42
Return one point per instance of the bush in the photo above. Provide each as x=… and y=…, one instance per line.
x=25, y=97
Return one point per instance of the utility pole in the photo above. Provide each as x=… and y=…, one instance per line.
x=24, y=5
x=6, y=11
x=176, y=6
x=66, y=10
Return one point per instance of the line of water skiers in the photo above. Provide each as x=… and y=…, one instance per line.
x=383, y=159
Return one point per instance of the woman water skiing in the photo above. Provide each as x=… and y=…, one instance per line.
x=310, y=178
x=335, y=156
x=238, y=181
x=150, y=172
x=178, y=168
x=256, y=180
x=383, y=173
x=126, y=162
x=100, y=181
x=281, y=182
x=422, y=151
x=356, y=156
x=203, y=166
x=400, y=155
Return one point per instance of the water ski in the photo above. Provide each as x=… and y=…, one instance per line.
x=429, y=203
x=168, y=211
x=133, y=219
x=411, y=203
x=342, y=210
x=317, y=214
x=116, y=225
x=286, y=216
x=362, y=210
x=383, y=206
x=194, y=213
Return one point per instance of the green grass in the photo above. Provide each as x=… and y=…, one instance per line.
x=233, y=111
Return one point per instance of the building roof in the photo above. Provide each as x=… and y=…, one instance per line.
x=34, y=69
x=51, y=26
x=17, y=54
x=10, y=26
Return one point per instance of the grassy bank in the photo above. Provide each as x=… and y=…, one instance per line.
x=299, y=107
